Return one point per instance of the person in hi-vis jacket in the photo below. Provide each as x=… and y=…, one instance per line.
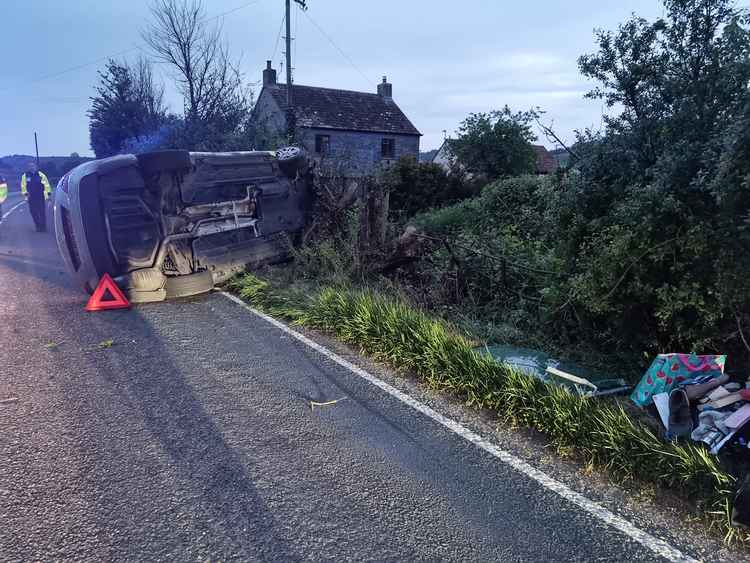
x=3, y=194
x=36, y=189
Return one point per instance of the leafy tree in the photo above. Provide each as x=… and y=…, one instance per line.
x=642, y=246
x=496, y=144
x=679, y=81
x=128, y=105
x=656, y=226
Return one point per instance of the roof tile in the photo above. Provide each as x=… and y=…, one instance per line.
x=329, y=108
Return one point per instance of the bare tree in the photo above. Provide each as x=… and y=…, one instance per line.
x=148, y=93
x=209, y=81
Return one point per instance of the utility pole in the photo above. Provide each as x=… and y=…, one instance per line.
x=36, y=145
x=289, y=93
x=289, y=98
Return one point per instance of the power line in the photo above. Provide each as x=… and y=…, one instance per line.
x=296, y=41
x=59, y=100
x=233, y=10
x=278, y=38
x=74, y=68
x=120, y=53
x=332, y=42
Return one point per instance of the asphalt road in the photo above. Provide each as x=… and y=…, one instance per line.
x=184, y=431
x=14, y=198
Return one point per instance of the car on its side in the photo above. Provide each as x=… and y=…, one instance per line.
x=174, y=223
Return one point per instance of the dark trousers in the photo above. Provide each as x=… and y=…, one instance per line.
x=38, y=209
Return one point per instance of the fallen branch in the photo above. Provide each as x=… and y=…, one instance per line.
x=548, y=132
x=500, y=259
x=742, y=334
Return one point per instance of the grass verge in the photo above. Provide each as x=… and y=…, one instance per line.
x=599, y=430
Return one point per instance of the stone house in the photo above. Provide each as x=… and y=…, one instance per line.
x=356, y=132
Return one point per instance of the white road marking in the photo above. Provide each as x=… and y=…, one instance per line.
x=12, y=209
x=658, y=546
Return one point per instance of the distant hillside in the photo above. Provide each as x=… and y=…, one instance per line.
x=13, y=166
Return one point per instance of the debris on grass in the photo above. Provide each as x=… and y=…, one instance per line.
x=106, y=343
x=568, y=375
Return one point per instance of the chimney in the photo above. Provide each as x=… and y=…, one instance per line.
x=385, y=89
x=269, y=74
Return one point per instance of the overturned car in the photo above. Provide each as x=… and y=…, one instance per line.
x=174, y=223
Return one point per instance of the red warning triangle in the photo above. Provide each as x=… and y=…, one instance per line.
x=118, y=301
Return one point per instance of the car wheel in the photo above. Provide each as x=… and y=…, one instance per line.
x=190, y=284
x=152, y=163
x=292, y=160
x=146, y=279
x=143, y=286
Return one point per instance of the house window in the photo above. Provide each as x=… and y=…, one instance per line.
x=322, y=144
x=388, y=148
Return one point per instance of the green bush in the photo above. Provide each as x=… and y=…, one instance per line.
x=418, y=186
x=500, y=253
x=642, y=247
x=659, y=209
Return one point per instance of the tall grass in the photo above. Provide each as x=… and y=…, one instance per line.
x=599, y=430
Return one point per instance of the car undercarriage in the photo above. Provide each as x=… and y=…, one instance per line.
x=170, y=223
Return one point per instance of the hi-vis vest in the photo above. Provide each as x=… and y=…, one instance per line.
x=45, y=182
x=3, y=190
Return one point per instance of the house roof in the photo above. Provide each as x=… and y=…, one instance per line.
x=443, y=152
x=328, y=108
x=545, y=162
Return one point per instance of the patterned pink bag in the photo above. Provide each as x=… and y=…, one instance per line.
x=667, y=371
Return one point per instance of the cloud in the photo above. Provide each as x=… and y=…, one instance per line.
x=482, y=101
x=522, y=79
x=526, y=60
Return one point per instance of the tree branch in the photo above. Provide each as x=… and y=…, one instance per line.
x=549, y=133
x=742, y=334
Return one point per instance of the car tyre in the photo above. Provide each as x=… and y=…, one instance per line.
x=152, y=163
x=190, y=284
x=292, y=161
x=146, y=279
x=143, y=286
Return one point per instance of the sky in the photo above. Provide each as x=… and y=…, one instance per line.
x=445, y=58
